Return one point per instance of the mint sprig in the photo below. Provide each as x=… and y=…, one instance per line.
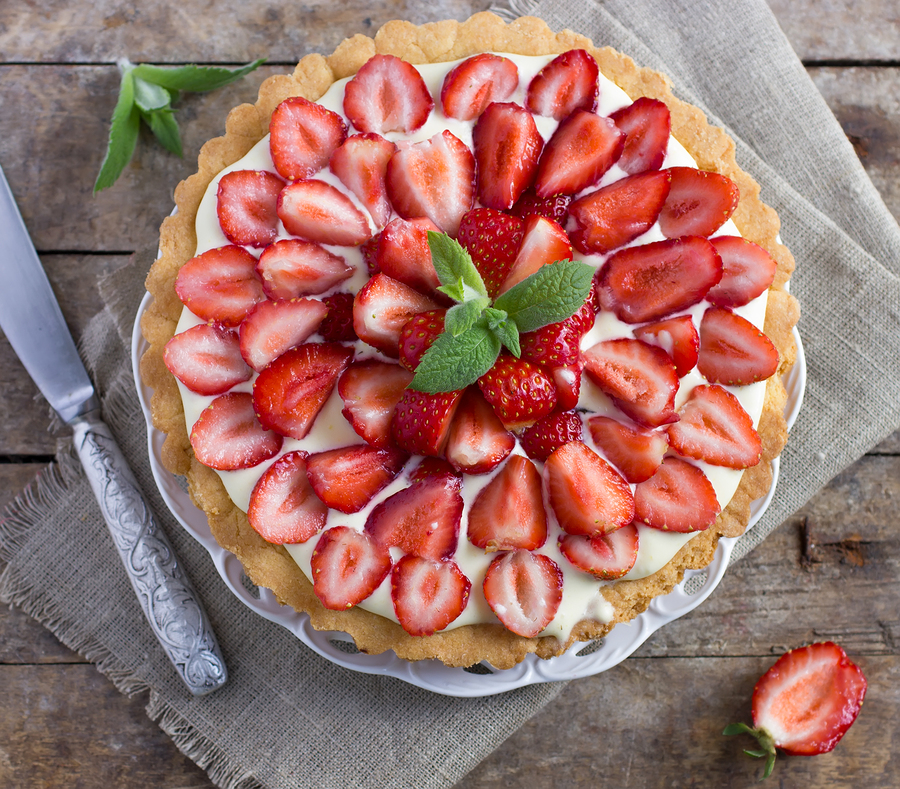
x=146, y=93
x=475, y=331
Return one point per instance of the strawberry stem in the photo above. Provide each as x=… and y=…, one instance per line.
x=765, y=740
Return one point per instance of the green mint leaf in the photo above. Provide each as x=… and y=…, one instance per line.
x=552, y=294
x=150, y=97
x=455, y=290
x=462, y=317
x=123, y=133
x=454, y=268
x=453, y=363
x=165, y=128
x=504, y=330
x=196, y=79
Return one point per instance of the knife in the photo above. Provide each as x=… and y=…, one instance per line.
x=33, y=323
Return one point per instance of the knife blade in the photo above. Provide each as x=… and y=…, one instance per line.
x=34, y=325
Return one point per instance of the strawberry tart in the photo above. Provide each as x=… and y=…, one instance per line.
x=469, y=338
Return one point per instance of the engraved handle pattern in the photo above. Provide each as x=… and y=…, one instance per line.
x=163, y=590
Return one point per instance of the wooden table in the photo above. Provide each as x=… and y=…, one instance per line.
x=830, y=572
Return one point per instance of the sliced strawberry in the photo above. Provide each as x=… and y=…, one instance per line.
x=302, y=137
x=747, y=272
x=567, y=83
x=583, y=147
x=387, y=95
x=519, y=392
x=733, y=351
x=246, y=202
x=568, y=384
x=587, y=495
x=507, y=147
x=638, y=377
x=435, y=467
x=713, y=426
x=604, y=556
x=337, y=325
x=508, y=512
x=206, y=359
x=382, y=307
x=291, y=391
x=677, y=337
x=678, y=497
x=421, y=422
x=228, y=436
x=427, y=594
x=699, y=203
x=471, y=86
x=417, y=335
x=618, y=213
x=276, y=326
x=558, y=344
x=290, y=268
x=636, y=452
x=524, y=590
x=646, y=123
x=283, y=508
x=649, y=282
x=361, y=164
x=555, y=207
x=318, y=212
x=403, y=253
x=347, y=566
x=347, y=478
x=548, y=434
x=220, y=285
x=477, y=442
x=493, y=239
x=433, y=178
x=422, y=519
x=543, y=242
x=371, y=390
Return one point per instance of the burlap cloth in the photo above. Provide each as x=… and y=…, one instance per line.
x=288, y=718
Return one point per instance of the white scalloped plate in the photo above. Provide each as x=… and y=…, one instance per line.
x=481, y=680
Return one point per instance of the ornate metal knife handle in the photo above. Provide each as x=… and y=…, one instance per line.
x=163, y=590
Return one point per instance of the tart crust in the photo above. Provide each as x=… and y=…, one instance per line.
x=270, y=565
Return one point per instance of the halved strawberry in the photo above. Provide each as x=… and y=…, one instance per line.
x=508, y=512
x=291, y=391
x=302, y=137
x=220, y=285
x=246, y=202
x=337, y=325
x=555, y=207
x=433, y=178
x=427, y=594
x=421, y=421
x=361, y=164
x=677, y=337
x=206, y=359
x=733, y=351
x=435, y=467
x=276, y=326
x=290, y=268
x=371, y=390
x=477, y=442
x=507, y=147
x=403, y=253
x=558, y=344
x=699, y=203
x=583, y=147
x=649, y=282
x=524, y=590
x=713, y=426
x=638, y=377
x=543, y=242
x=417, y=335
x=636, y=452
x=422, y=519
x=387, y=95
x=519, y=392
x=283, y=507
x=678, y=497
x=382, y=307
x=472, y=85
x=228, y=436
x=646, y=123
x=493, y=239
x=618, y=213
x=316, y=211
x=747, y=272
x=347, y=478
x=548, y=434
x=567, y=83
x=587, y=495
x=604, y=556
x=347, y=566
x=568, y=384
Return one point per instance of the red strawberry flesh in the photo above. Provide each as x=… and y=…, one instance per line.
x=646, y=124
x=246, y=205
x=361, y=164
x=302, y=137
x=347, y=566
x=220, y=285
x=524, y=590
x=277, y=326
x=678, y=497
x=228, y=436
x=347, y=479
x=604, y=556
x=371, y=390
x=733, y=351
x=387, y=95
x=283, y=507
x=567, y=83
x=477, y=441
x=470, y=87
x=317, y=211
x=428, y=595
x=206, y=359
x=699, y=203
